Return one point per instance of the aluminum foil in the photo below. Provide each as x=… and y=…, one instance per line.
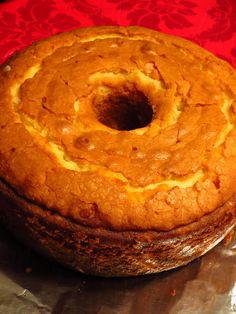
x=31, y=284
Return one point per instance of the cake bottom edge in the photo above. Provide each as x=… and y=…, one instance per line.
x=108, y=253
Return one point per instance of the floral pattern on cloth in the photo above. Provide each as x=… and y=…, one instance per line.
x=210, y=23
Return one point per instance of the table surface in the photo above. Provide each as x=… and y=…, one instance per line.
x=31, y=284
x=210, y=23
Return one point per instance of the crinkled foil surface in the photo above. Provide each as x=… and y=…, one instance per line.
x=31, y=284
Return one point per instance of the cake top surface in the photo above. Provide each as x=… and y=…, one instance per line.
x=123, y=128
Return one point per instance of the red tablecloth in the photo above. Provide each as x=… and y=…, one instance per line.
x=211, y=23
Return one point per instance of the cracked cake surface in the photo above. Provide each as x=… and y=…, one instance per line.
x=121, y=128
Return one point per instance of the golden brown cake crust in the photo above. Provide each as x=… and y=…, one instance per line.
x=104, y=252
x=61, y=147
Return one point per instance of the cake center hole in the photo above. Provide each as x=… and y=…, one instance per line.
x=124, y=111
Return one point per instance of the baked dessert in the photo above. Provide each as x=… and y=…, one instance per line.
x=118, y=149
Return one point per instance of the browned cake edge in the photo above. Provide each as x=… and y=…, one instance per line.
x=111, y=253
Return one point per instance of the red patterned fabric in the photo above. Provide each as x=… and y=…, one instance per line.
x=210, y=23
